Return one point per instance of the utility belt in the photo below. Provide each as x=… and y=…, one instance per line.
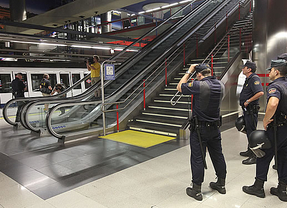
x=281, y=120
x=251, y=109
x=194, y=123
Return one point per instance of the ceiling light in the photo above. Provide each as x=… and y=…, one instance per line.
x=170, y=5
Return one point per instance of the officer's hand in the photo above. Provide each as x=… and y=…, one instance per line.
x=246, y=104
x=265, y=123
x=192, y=68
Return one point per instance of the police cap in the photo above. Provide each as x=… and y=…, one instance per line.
x=276, y=63
x=201, y=67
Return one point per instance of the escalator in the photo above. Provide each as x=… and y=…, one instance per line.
x=130, y=68
x=141, y=66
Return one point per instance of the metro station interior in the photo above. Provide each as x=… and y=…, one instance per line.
x=130, y=146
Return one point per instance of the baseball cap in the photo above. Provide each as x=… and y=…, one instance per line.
x=200, y=67
x=276, y=63
x=250, y=65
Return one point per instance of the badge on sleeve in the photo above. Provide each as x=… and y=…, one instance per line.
x=272, y=90
x=190, y=84
x=256, y=82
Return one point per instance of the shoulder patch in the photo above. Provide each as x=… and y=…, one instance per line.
x=190, y=84
x=256, y=82
x=272, y=90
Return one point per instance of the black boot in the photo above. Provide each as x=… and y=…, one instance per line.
x=256, y=189
x=219, y=185
x=247, y=153
x=249, y=161
x=280, y=191
x=194, y=191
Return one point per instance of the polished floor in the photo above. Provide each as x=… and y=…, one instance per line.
x=38, y=172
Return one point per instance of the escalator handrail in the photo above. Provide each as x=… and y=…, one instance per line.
x=49, y=124
x=29, y=99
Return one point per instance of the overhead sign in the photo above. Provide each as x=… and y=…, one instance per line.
x=109, y=71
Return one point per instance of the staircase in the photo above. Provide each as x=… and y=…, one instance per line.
x=160, y=117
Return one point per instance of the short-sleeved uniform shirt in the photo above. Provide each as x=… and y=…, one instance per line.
x=96, y=72
x=251, y=86
x=45, y=83
x=18, y=87
x=207, y=95
x=278, y=89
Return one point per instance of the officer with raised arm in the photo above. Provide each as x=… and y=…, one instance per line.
x=249, y=98
x=275, y=124
x=207, y=94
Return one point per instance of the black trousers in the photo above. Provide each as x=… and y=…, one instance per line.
x=20, y=105
x=211, y=139
x=250, y=123
x=262, y=164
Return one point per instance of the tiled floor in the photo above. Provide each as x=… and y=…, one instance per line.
x=104, y=174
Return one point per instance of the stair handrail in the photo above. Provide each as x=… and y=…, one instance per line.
x=209, y=55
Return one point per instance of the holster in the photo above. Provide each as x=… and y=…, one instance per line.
x=250, y=109
x=281, y=120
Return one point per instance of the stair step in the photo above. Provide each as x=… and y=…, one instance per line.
x=153, y=128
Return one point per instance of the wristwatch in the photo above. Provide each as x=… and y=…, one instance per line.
x=187, y=72
x=247, y=101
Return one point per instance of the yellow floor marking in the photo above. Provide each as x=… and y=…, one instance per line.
x=137, y=138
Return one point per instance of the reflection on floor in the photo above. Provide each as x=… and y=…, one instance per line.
x=107, y=174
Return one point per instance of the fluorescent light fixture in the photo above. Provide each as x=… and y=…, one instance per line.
x=80, y=46
x=170, y=5
x=36, y=43
x=141, y=12
x=103, y=48
x=129, y=50
x=181, y=2
x=93, y=47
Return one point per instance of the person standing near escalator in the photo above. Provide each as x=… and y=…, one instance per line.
x=249, y=101
x=18, y=89
x=95, y=69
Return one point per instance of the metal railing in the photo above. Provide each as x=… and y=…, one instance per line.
x=215, y=50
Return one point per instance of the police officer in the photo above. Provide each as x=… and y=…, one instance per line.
x=207, y=94
x=275, y=124
x=251, y=92
x=18, y=89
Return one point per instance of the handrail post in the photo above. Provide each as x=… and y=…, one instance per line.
x=118, y=126
x=144, y=93
x=165, y=73
x=103, y=95
x=212, y=65
x=103, y=98
x=228, y=47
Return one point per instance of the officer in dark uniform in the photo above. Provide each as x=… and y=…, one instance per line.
x=18, y=89
x=207, y=94
x=275, y=124
x=251, y=92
